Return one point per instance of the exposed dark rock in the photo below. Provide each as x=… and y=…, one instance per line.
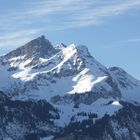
x=39, y=48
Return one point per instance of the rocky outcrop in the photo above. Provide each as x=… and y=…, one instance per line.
x=39, y=47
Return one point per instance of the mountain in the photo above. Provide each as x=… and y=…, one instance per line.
x=36, y=48
x=80, y=95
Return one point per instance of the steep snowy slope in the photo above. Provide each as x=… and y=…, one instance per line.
x=79, y=89
x=72, y=68
x=129, y=86
x=39, y=70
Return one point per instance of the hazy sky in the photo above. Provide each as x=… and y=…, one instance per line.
x=109, y=28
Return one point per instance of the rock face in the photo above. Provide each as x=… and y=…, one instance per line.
x=63, y=93
x=38, y=48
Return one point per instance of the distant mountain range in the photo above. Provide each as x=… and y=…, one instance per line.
x=63, y=93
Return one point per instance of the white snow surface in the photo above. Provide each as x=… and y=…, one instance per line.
x=64, y=60
x=116, y=103
x=129, y=86
x=99, y=107
x=83, y=74
x=70, y=71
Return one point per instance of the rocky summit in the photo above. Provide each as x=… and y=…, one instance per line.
x=39, y=47
x=63, y=93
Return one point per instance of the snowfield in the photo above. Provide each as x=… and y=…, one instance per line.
x=69, y=82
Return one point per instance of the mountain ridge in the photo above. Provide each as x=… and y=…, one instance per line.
x=73, y=63
x=39, y=47
x=80, y=92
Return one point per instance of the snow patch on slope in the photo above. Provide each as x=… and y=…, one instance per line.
x=85, y=81
x=129, y=86
x=100, y=108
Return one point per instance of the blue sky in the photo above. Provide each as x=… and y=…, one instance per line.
x=109, y=28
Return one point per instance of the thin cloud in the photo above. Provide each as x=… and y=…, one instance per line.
x=17, y=38
x=122, y=43
x=51, y=15
x=72, y=13
x=133, y=40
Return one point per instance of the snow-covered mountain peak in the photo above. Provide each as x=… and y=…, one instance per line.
x=30, y=54
x=63, y=90
x=60, y=46
x=83, y=49
x=38, y=66
x=80, y=50
x=39, y=47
